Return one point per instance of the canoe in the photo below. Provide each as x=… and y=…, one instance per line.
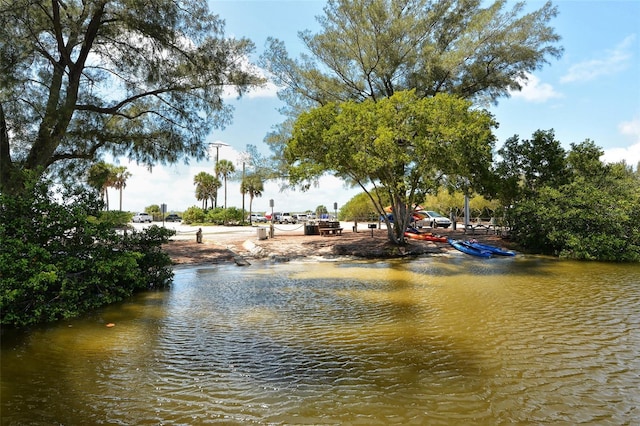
x=425, y=237
x=493, y=249
x=464, y=247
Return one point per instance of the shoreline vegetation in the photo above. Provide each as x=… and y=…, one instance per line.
x=284, y=246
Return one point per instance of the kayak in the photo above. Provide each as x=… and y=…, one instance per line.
x=493, y=249
x=464, y=247
x=425, y=237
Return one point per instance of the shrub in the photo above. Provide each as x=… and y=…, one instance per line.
x=193, y=215
x=57, y=261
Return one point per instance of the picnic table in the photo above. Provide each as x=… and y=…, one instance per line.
x=329, y=228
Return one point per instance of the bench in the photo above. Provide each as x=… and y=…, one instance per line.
x=486, y=225
x=472, y=228
x=329, y=228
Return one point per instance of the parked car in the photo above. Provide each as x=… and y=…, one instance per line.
x=432, y=219
x=142, y=217
x=273, y=216
x=300, y=218
x=285, y=218
x=173, y=218
x=256, y=218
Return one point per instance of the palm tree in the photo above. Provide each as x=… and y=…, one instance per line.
x=100, y=177
x=224, y=169
x=211, y=189
x=206, y=187
x=119, y=179
x=253, y=186
x=202, y=182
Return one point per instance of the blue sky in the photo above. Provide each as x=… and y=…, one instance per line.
x=591, y=92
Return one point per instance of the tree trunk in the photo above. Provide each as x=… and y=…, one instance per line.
x=250, y=208
x=225, y=192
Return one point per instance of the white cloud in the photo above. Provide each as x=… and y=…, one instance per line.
x=631, y=128
x=533, y=90
x=612, y=62
x=631, y=153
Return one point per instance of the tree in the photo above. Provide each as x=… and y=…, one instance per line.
x=359, y=208
x=528, y=165
x=320, y=210
x=128, y=78
x=119, y=180
x=99, y=177
x=155, y=211
x=401, y=146
x=373, y=49
x=571, y=204
x=207, y=187
x=224, y=169
x=252, y=185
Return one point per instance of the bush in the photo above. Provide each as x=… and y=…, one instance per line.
x=57, y=261
x=193, y=215
x=115, y=218
x=222, y=216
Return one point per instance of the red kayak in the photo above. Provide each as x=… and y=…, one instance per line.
x=425, y=237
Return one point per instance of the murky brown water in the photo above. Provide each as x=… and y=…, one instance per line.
x=445, y=340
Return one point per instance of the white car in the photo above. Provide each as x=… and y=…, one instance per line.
x=432, y=219
x=142, y=217
x=257, y=218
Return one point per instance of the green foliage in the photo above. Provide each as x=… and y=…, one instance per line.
x=222, y=216
x=129, y=78
x=155, y=211
x=193, y=215
x=445, y=201
x=224, y=169
x=371, y=50
x=358, y=208
x=402, y=147
x=583, y=210
x=529, y=165
x=115, y=218
x=321, y=209
x=57, y=261
x=253, y=185
x=207, y=187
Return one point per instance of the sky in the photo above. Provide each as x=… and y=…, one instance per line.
x=591, y=92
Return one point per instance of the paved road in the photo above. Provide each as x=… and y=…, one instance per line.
x=187, y=232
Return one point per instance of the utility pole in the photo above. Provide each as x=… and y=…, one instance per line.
x=217, y=144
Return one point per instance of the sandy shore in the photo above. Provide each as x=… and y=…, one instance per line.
x=241, y=245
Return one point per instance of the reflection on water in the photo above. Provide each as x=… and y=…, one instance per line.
x=442, y=340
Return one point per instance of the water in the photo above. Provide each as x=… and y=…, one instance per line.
x=440, y=340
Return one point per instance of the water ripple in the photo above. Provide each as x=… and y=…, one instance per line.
x=436, y=341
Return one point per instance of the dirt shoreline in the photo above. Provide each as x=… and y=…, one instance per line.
x=363, y=244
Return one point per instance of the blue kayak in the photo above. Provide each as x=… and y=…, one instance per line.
x=464, y=247
x=493, y=249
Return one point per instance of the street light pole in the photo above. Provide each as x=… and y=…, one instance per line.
x=217, y=144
